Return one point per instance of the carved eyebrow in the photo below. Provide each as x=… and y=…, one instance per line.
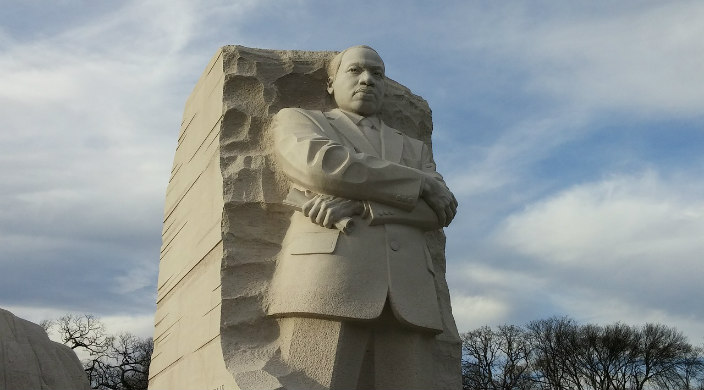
x=366, y=66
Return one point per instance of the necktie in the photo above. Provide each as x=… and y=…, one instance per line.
x=370, y=132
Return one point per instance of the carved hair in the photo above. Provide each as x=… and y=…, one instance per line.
x=334, y=64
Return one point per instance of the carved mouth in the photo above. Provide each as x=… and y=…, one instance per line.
x=364, y=91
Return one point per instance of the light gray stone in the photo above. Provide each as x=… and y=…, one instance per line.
x=224, y=320
x=29, y=360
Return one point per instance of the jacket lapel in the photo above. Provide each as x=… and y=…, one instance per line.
x=391, y=143
x=349, y=130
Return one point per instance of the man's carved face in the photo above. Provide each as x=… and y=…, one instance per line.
x=359, y=83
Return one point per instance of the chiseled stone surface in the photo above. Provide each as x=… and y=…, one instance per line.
x=187, y=352
x=225, y=221
x=29, y=360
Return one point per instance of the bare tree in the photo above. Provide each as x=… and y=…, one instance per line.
x=555, y=347
x=46, y=325
x=558, y=354
x=517, y=351
x=115, y=362
x=496, y=359
x=125, y=366
x=606, y=356
x=687, y=375
x=661, y=352
x=480, y=349
x=84, y=332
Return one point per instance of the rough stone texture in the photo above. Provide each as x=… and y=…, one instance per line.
x=224, y=222
x=29, y=360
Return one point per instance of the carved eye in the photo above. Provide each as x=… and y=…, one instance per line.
x=378, y=74
x=354, y=69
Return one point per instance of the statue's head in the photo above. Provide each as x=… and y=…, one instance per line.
x=356, y=80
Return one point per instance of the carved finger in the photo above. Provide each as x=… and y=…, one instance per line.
x=321, y=214
x=329, y=219
x=315, y=210
x=308, y=206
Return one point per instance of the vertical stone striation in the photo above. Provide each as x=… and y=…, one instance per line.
x=187, y=352
x=224, y=215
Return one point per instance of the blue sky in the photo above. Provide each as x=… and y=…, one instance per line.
x=571, y=133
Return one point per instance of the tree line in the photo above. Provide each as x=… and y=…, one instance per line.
x=560, y=354
x=549, y=354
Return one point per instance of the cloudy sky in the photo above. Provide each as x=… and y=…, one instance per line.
x=572, y=135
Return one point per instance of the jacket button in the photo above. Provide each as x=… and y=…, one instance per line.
x=394, y=245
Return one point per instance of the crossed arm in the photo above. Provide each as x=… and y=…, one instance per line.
x=350, y=183
x=325, y=210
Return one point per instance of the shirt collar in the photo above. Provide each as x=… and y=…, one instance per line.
x=356, y=118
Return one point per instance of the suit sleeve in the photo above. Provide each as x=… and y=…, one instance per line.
x=310, y=158
x=421, y=216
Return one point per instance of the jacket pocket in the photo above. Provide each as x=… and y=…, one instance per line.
x=314, y=242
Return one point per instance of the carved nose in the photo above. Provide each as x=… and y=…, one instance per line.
x=366, y=78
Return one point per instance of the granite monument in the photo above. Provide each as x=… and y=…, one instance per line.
x=302, y=234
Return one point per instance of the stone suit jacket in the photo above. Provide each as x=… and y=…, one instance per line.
x=324, y=273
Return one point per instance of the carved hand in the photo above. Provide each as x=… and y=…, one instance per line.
x=325, y=210
x=440, y=199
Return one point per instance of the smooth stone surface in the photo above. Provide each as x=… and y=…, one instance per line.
x=30, y=360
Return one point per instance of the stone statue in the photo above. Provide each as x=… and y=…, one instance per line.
x=302, y=246
x=29, y=360
x=359, y=308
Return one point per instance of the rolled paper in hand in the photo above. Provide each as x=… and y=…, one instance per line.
x=297, y=198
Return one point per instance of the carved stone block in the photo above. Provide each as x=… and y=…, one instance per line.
x=225, y=221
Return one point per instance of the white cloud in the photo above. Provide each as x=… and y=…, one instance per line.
x=140, y=326
x=623, y=218
x=474, y=311
x=491, y=294
x=625, y=248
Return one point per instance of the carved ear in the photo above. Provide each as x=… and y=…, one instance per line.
x=329, y=85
